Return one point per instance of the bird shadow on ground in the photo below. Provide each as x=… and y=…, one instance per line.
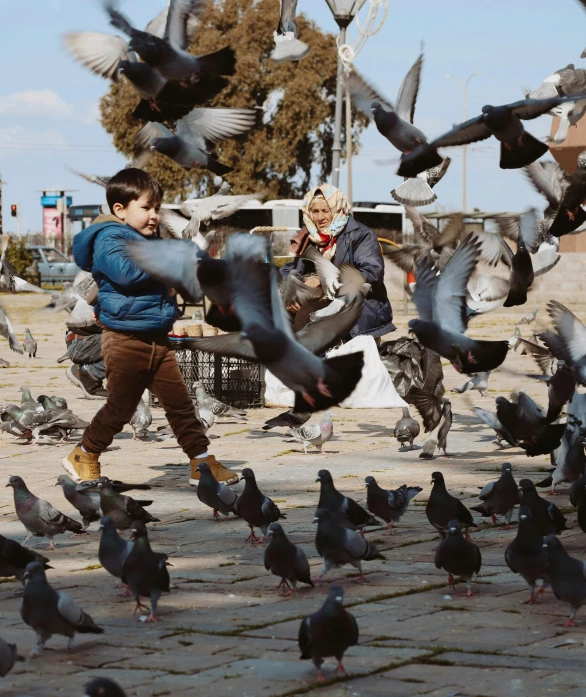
x=257, y=433
x=374, y=429
x=407, y=449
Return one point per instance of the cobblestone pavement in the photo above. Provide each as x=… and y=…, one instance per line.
x=223, y=629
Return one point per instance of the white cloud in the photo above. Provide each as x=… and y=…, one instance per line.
x=36, y=103
x=17, y=139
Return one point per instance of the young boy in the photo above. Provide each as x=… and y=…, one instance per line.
x=137, y=313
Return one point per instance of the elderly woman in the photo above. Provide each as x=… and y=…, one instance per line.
x=331, y=229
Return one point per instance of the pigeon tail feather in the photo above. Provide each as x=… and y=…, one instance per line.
x=517, y=157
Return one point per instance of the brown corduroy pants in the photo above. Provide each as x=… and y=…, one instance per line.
x=135, y=362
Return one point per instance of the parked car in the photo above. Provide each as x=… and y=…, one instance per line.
x=52, y=265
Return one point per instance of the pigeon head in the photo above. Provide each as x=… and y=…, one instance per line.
x=423, y=330
x=64, y=480
x=487, y=109
x=526, y=486
x=34, y=570
x=549, y=542
x=203, y=467
x=166, y=146
x=103, y=687
x=369, y=481
x=324, y=476
x=454, y=528
x=138, y=529
x=507, y=467
x=437, y=478
x=582, y=160
x=322, y=515
x=376, y=108
x=106, y=523
x=276, y=530
x=248, y=475
x=336, y=594
x=16, y=482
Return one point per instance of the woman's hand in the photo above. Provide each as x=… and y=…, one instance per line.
x=293, y=307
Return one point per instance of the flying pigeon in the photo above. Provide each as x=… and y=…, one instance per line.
x=406, y=429
x=458, y=556
x=568, y=458
x=522, y=274
x=144, y=571
x=492, y=421
x=344, y=510
x=214, y=494
x=85, y=501
x=548, y=518
x=39, y=517
x=437, y=420
x=286, y=560
x=29, y=344
x=141, y=420
x=7, y=331
x=478, y=381
x=500, y=497
x=14, y=559
x=390, y=505
x=288, y=419
x=442, y=508
x=103, y=687
x=49, y=612
x=123, y=510
x=293, y=291
x=328, y=632
x=561, y=387
x=258, y=510
x=571, y=336
x=526, y=555
x=287, y=46
x=8, y=657
x=314, y=434
x=568, y=576
x=339, y=546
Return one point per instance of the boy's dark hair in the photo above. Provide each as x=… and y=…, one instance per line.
x=129, y=184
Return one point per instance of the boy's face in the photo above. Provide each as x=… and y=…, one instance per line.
x=141, y=214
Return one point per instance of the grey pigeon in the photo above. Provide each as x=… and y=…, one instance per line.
x=458, y=556
x=49, y=612
x=39, y=517
x=195, y=134
x=7, y=331
x=287, y=46
x=442, y=507
x=267, y=336
x=344, y=510
x=217, y=407
x=85, y=501
x=8, y=657
x=548, y=518
x=437, y=420
x=59, y=402
x=478, y=381
x=561, y=387
x=258, y=510
x=116, y=484
x=286, y=560
x=406, y=429
x=314, y=434
x=493, y=422
x=29, y=344
x=505, y=123
x=522, y=274
x=41, y=421
x=27, y=401
x=123, y=510
x=350, y=288
x=103, y=687
x=328, y=632
x=144, y=571
x=500, y=497
x=288, y=419
x=441, y=304
x=526, y=555
x=568, y=576
x=141, y=420
x=568, y=459
x=571, y=335
x=113, y=549
x=14, y=558
x=214, y=494
x=390, y=505
x=294, y=291
x=339, y=546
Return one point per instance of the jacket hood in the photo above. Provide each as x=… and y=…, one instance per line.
x=83, y=242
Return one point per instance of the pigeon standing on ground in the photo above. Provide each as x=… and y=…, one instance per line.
x=39, y=517
x=345, y=511
x=567, y=575
x=286, y=561
x=123, y=510
x=288, y=419
x=258, y=510
x=457, y=556
x=548, y=518
x=141, y=420
x=214, y=494
x=406, y=429
x=442, y=507
x=500, y=497
x=29, y=344
x=339, y=546
x=103, y=687
x=218, y=409
x=314, y=434
x=49, y=612
x=7, y=331
x=390, y=505
x=113, y=549
x=437, y=420
x=144, y=571
x=526, y=555
x=8, y=657
x=14, y=559
x=328, y=632
x=87, y=502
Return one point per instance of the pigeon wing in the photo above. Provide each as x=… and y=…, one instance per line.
x=468, y=132
x=150, y=131
x=176, y=29
x=428, y=406
x=364, y=95
x=319, y=335
x=424, y=288
x=570, y=329
x=99, y=52
x=306, y=433
x=422, y=225
x=407, y=96
x=214, y=125
x=548, y=179
x=173, y=222
x=327, y=272
x=408, y=258
x=232, y=344
x=528, y=109
x=541, y=355
x=70, y=610
x=354, y=545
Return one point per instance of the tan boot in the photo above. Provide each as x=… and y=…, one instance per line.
x=221, y=473
x=82, y=466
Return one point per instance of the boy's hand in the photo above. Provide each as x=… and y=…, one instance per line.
x=97, y=321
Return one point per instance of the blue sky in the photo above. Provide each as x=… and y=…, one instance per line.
x=48, y=104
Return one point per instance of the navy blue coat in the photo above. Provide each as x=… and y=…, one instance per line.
x=358, y=246
x=129, y=299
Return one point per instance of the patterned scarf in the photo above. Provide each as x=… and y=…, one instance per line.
x=338, y=203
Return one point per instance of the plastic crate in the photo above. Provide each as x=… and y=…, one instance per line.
x=232, y=380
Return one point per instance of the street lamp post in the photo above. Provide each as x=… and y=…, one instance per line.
x=344, y=12
x=464, y=147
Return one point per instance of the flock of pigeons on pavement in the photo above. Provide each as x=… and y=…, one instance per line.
x=458, y=277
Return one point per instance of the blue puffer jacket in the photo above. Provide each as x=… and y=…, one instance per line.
x=129, y=300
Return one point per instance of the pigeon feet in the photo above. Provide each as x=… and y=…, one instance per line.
x=252, y=537
x=569, y=623
x=320, y=676
x=571, y=215
x=494, y=518
x=362, y=579
x=340, y=669
x=287, y=590
x=126, y=593
x=139, y=606
x=151, y=618
x=470, y=593
x=451, y=582
x=506, y=527
x=319, y=579
x=308, y=398
x=51, y=547
x=532, y=600
x=322, y=388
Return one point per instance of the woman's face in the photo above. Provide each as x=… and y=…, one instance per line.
x=321, y=214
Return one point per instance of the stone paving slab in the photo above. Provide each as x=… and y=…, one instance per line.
x=223, y=629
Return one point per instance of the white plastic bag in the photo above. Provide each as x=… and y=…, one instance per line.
x=276, y=394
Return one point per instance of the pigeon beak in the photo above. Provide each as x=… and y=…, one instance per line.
x=316, y=520
x=523, y=517
x=452, y=529
x=318, y=480
x=152, y=148
x=544, y=545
